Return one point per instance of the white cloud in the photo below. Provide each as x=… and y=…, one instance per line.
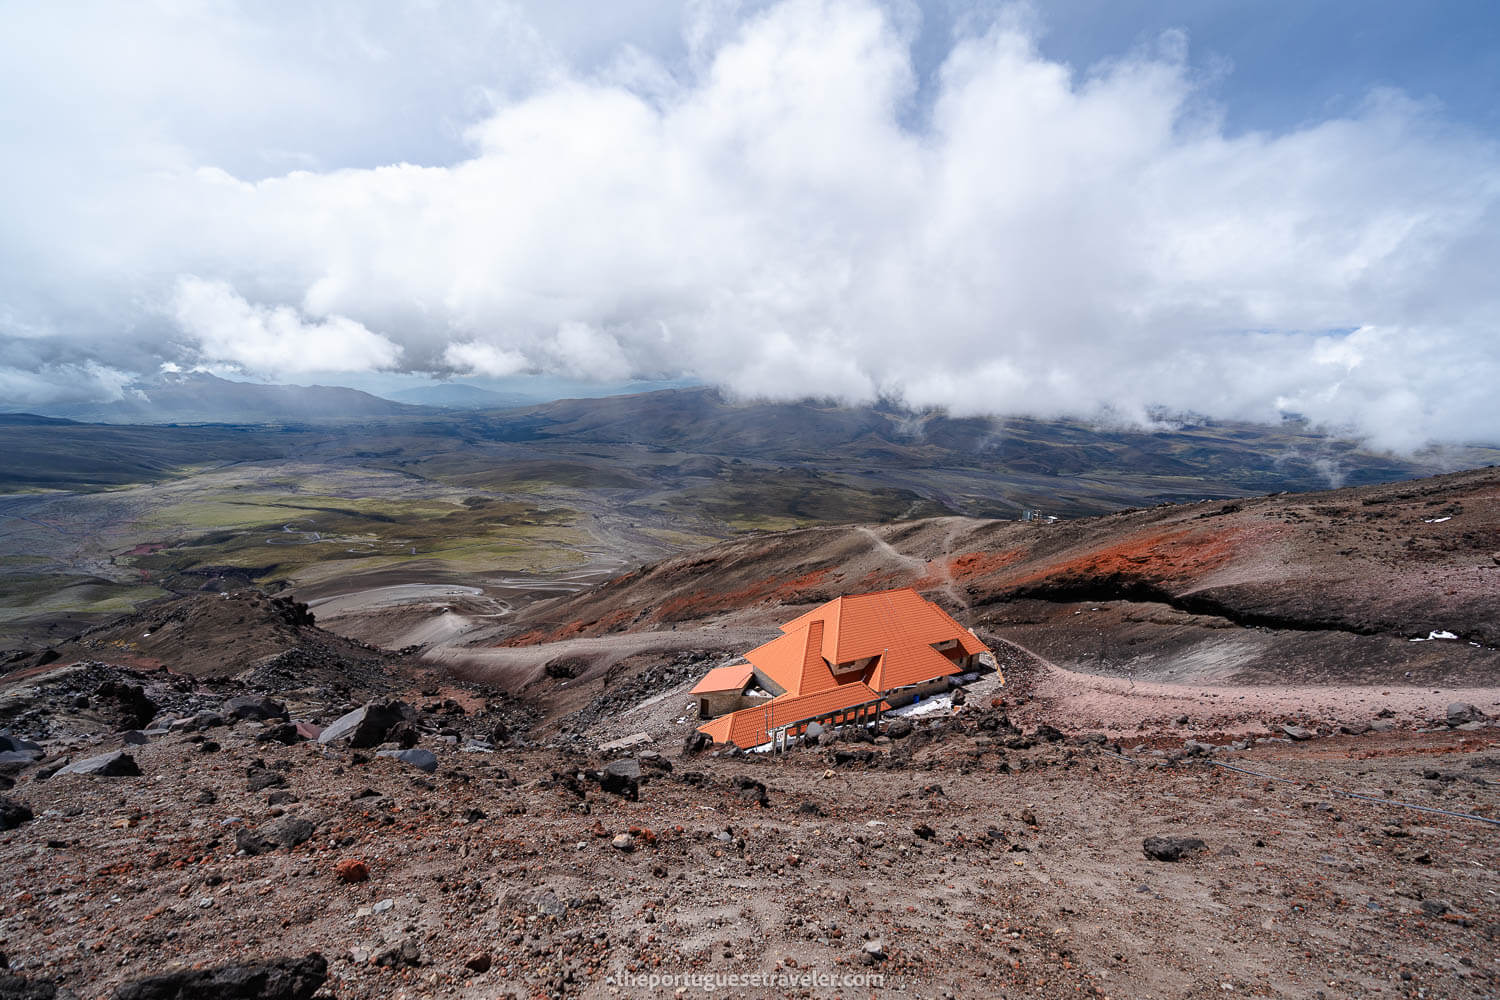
x=777, y=216
x=277, y=339
x=61, y=383
x=474, y=358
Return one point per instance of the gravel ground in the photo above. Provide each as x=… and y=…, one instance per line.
x=957, y=862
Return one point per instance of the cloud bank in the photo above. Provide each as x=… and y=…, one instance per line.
x=782, y=216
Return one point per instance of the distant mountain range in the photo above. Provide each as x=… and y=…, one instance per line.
x=686, y=453
x=201, y=398
x=460, y=396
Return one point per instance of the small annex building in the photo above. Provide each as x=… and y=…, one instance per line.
x=843, y=662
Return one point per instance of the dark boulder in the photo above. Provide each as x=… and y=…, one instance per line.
x=130, y=700
x=367, y=725
x=13, y=987
x=276, y=979
x=409, y=953
x=422, y=760
x=565, y=667
x=621, y=777
x=14, y=744
x=107, y=765
x=1172, y=848
x=1460, y=713
x=287, y=831
x=404, y=735
x=899, y=729
x=250, y=706
x=752, y=791
x=656, y=762
x=286, y=734
x=13, y=813
x=252, y=843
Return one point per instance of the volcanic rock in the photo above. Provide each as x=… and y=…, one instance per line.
x=251, y=843
x=409, y=953
x=366, y=726
x=286, y=734
x=287, y=831
x=620, y=777
x=14, y=744
x=13, y=813
x=1172, y=848
x=13, y=987
x=403, y=734
x=276, y=979
x=130, y=700
x=254, y=707
x=107, y=765
x=1461, y=712
x=752, y=791
x=422, y=760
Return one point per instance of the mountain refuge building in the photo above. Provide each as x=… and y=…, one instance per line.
x=846, y=661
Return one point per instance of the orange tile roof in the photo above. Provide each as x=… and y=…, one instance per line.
x=794, y=661
x=750, y=727
x=867, y=624
x=897, y=627
x=732, y=678
x=781, y=659
x=909, y=663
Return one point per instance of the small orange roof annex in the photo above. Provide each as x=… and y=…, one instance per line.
x=731, y=678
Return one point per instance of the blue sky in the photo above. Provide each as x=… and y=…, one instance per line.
x=1075, y=207
x=1289, y=62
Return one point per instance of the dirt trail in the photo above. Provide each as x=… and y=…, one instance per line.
x=512, y=667
x=921, y=567
x=1094, y=701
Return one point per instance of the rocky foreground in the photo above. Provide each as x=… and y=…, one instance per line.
x=224, y=842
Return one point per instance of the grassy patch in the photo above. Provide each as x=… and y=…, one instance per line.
x=298, y=537
x=49, y=594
